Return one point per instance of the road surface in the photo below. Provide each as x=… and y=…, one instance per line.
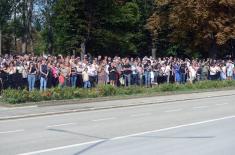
x=197, y=127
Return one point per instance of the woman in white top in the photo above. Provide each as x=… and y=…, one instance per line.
x=168, y=72
x=213, y=71
x=192, y=73
x=230, y=67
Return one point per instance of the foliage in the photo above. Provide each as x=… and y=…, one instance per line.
x=5, y=11
x=190, y=28
x=18, y=96
x=194, y=24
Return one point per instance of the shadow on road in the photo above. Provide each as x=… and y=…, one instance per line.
x=178, y=137
x=76, y=133
x=84, y=135
x=90, y=147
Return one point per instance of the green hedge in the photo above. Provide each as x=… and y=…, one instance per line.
x=21, y=96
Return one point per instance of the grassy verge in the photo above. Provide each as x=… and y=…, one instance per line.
x=22, y=96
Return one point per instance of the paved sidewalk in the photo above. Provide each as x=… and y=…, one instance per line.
x=35, y=110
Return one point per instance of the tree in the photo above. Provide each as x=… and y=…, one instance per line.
x=114, y=28
x=103, y=26
x=5, y=13
x=44, y=23
x=195, y=24
x=69, y=25
x=106, y=27
x=27, y=16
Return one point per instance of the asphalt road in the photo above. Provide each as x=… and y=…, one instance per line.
x=196, y=127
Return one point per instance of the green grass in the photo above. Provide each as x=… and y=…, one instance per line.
x=22, y=96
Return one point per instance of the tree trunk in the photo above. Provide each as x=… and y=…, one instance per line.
x=154, y=51
x=24, y=44
x=0, y=41
x=232, y=48
x=15, y=41
x=50, y=39
x=213, y=49
x=83, y=48
x=24, y=18
x=29, y=24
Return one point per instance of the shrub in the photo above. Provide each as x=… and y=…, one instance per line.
x=92, y=93
x=20, y=96
x=14, y=96
x=34, y=96
x=170, y=87
x=107, y=90
x=130, y=90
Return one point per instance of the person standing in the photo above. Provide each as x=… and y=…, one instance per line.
x=55, y=74
x=91, y=73
x=127, y=73
x=230, y=67
x=140, y=73
x=31, y=76
x=205, y=71
x=168, y=71
x=213, y=72
x=74, y=75
x=192, y=73
x=147, y=73
x=43, y=75
x=85, y=77
x=67, y=73
x=183, y=73
x=112, y=74
x=134, y=74
x=223, y=72
x=177, y=73
x=101, y=74
x=11, y=73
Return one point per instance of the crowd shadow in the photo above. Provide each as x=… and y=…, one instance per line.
x=177, y=137
x=77, y=133
x=90, y=147
x=104, y=139
x=86, y=149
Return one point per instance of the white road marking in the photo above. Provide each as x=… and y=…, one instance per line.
x=127, y=136
x=173, y=110
x=103, y=119
x=58, y=125
x=140, y=115
x=175, y=127
x=201, y=107
x=14, y=131
x=221, y=104
x=61, y=148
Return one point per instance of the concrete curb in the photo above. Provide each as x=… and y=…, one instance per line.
x=103, y=108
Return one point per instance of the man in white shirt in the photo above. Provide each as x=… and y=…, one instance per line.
x=92, y=74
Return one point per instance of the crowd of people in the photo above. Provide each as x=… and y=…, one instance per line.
x=43, y=72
